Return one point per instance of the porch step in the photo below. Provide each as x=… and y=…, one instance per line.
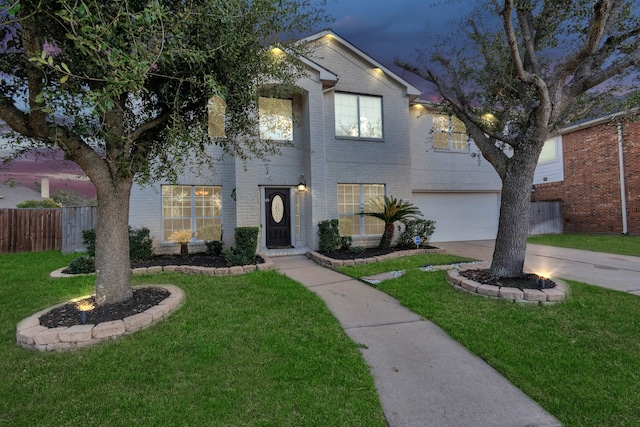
x=284, y=252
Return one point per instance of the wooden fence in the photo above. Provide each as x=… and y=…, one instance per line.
x=74, y=221
x=30, y=230
x=35, y=230
x=545, y=218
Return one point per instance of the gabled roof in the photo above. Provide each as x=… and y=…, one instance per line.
x=325, y=75
x=412, y=91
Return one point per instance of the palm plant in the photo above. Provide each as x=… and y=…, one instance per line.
x=389, y=209
x=182, y=237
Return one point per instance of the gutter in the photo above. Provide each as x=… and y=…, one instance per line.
x=623, y=193
x=597, y=121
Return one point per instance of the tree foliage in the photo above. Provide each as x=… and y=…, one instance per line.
x=122, y=88
x=525, y=69
x=125, y=77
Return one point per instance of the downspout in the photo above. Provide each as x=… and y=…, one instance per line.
x=623, y=193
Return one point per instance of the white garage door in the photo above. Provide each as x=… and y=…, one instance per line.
x=460, y=216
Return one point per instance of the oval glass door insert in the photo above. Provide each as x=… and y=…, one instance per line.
x=277, y=208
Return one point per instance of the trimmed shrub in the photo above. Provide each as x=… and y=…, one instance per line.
x=89, y=241
x=330, y=238
x=246, y=245
x=140, y=243
x=214, y=247
x=39, y=204
x=82, y=265
x=422, y=228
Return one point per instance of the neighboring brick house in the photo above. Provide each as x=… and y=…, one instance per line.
x=593, y=168
x=359, y=132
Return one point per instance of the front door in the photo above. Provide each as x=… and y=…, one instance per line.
x=278, y=217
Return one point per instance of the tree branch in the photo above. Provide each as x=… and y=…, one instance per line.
x=486, y=144
x=512, y=41
x=525, y=20
x=581, y=85
x=543, y=111
x=15, y=118
x=36, y=117
x=161, y=120
x=600, y=23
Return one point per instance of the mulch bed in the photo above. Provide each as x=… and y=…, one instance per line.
x=197, y=259
x=366, y=253
x=143, y=299
x=69, y=314
x=527, y=281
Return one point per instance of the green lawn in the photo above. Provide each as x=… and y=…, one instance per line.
x=397, y=264
x=252, y=350
x=613, y=244
x=580, y=359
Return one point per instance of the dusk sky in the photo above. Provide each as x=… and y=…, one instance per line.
x=383, y=29
x=386, y=30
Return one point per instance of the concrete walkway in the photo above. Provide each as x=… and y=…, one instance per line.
x=619, y=272
x=423, y=377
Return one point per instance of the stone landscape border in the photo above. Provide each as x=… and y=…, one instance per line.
x=521, y=296
x=30, y=334
x=188, y=269
x=333, y=263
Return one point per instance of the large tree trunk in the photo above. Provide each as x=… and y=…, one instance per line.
x=113, y=268
x=513, y=228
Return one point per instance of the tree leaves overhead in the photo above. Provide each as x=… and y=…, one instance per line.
x=131, y=77
x=582, y=50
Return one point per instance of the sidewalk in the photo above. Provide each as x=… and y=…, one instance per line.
x=423, y=377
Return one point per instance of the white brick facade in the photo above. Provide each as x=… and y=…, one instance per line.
x=401, y=160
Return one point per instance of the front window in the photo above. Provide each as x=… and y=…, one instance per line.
x=449, y=133
x=358, y=116
x=356, y=198
x=276, y=119
x=197, y=208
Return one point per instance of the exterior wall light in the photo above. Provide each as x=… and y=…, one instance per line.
x=302, y=185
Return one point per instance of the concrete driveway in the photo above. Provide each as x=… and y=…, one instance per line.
x=619, y=272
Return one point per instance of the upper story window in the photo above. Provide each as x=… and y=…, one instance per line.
x=217, y=109
x=358, y=116
x=276, y=119
x=549, y=152
x=449, y=133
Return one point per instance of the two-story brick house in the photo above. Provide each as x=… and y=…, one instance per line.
x=359, y=132
x=593, y=168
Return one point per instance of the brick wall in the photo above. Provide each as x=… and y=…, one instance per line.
x=590, y=191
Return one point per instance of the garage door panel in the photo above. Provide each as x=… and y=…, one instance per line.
x=460, y=216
